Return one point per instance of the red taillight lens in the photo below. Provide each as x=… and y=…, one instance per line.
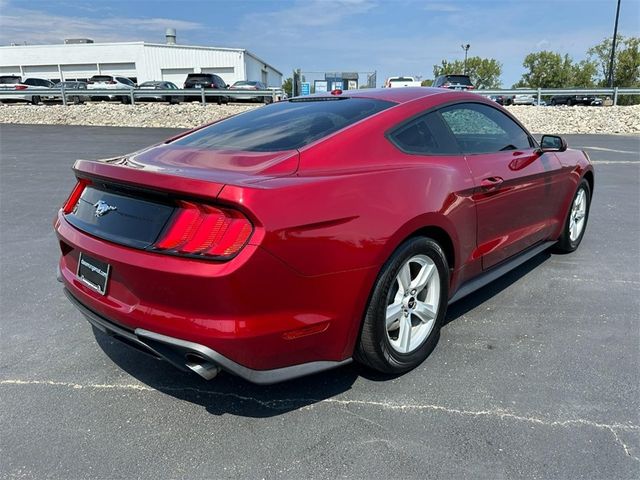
x=21, y=87
x=198, y=229
x=71, y=202
x=470, y=87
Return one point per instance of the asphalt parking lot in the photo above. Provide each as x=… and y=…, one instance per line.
x=535, y=376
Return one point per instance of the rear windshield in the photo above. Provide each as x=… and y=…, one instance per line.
x=199, y=76
x=9, y=80
x=459, y=79
x=401, y=79
x=245, y=83
x=284, y=125
x=101, y=78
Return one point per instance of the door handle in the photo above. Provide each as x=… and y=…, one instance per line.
x=491, y=182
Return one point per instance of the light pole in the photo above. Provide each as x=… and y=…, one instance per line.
x=613, y=46
x=466, y=51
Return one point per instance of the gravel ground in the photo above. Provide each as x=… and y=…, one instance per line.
x=563, y=120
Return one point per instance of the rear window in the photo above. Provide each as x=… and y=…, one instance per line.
x=459, y=79
x=101, y=78
x=9, y=80
x=199, y=76
x=284, y=125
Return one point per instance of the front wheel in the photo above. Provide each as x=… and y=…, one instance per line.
x=35, y=100
x=409, y=301
x=576, y=222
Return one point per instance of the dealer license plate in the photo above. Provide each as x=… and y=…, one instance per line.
x=93, y=273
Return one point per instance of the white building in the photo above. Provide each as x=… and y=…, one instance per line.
x=139, y=61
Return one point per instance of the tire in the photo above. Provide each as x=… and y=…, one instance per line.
x=576, y=223
x=553, y=102
x=383, y=344
x=35, y=100
x=569, y=102
x=267, y=100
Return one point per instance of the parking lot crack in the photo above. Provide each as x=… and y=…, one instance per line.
x=302, y=403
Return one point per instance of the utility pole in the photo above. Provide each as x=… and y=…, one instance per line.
x=466, y=51
x=613, y=46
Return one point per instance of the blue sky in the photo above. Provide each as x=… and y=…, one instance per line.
x=394, y=37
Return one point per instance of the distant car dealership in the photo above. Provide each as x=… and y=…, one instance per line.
x=79, y=59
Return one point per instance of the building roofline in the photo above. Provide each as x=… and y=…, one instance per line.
x=146, y=44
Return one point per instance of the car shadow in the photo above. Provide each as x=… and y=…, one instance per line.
x=227, y=394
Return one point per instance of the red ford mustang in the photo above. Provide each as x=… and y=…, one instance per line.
x=297, y=236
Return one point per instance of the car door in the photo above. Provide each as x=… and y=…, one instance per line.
x=516, y=185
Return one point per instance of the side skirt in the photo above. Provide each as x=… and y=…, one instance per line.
x=498, y=271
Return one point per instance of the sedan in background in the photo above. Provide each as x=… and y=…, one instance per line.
x=502, y=99
x=295, y=237
x=158, y=85
x=250, y=85
x=75, y=91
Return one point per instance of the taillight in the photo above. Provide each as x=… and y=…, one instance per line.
x=71, y=202
x=111, y=82
x=21, y=87
x=198, y=229
x=470, y=87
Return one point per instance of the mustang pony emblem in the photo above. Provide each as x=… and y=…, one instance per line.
x=102, y=208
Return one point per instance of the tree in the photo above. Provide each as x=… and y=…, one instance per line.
x=287, y=86
x=626, y=67
x=547, y=69
x=583, y=74
x=426, y=83
x=484, y=72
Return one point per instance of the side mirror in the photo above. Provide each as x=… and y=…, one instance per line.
x=553, y=143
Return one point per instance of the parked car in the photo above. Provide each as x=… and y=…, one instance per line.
x=454, y=82
x=251, y=85
x=75, y=91
x=502, y=99
x=570, y=100
x=158, y=85
x=296, y=237
x=110, y=82
x=208, y=81
x=394, y=82
x=30, y=86
x=523, y=98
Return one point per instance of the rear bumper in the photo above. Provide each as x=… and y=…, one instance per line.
x=252, y=313
x=191, y=356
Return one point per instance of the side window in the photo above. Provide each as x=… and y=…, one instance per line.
x=479, y=128
x=426, y=135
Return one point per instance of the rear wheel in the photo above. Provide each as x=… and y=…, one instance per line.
x=403, y=319
x=35, y=100
x=576, y=222
x=569, y=102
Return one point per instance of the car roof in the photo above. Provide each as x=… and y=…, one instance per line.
x=397, y=95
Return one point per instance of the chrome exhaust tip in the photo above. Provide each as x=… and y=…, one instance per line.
x=201, y=365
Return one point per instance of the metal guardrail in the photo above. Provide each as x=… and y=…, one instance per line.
x=540, y=92
x=132, y=93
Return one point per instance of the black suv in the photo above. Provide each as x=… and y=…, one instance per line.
x=207, y=81
x=454, y=82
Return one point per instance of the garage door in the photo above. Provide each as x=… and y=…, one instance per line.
x=81, y=71
x=176, y=75
x=226, y=73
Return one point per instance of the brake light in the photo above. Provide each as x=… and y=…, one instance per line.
x=470, y=87
x=199, y=229
x=337, y=91
x=71, y=202
x=21, y=87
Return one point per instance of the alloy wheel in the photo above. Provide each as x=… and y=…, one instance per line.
x=414, y=300
x=578, y=215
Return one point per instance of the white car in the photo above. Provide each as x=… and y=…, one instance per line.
x=15, y=83
x=524, y=99
x=110, y=82
x=393, y=82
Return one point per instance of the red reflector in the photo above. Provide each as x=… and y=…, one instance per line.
x=71, y=202
x=199, y=229
x=337, y=91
